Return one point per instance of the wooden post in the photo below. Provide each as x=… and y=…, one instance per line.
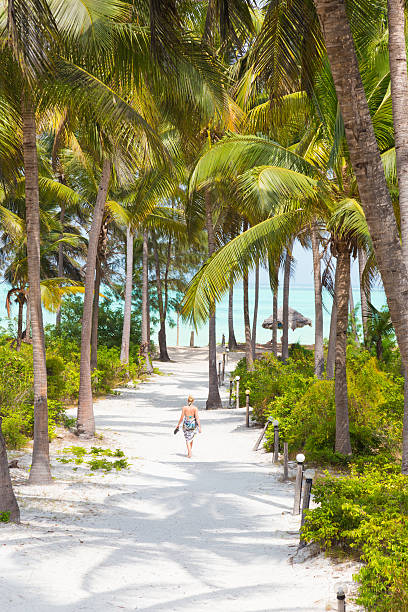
x=247, y=392
x=341, y=600
x=230, y=395
x=307, y=490
x=223, y=367
x=298, y=485
x=285, y=461
x=223, y=340
x=219, y=373
x=275, y=441
x=192, y=340
x=237, y=391
x=227, y=351
x=257, y=443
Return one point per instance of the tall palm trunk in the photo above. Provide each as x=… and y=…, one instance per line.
x=60, y=264
x=28, y=319
x=247, y=324
x=95, y=317
x=256, y=303
x=127, y=313
x=343, y=444
x=362, y=259
x=85, y=417
x=274, y=282
x=20, y=300
x=213, y=399
x=285, y=305
x=232, y=343
x=399, y=97
x=8, y=502
x=317, y=280
x=331, y=349
x=353, y=316
x=367, y=164
x=40, y=472
x=145, y=347
x=164, y=356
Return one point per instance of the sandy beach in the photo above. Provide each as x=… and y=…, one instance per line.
x=169, y=534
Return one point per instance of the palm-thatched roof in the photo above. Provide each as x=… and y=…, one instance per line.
x=296, y=319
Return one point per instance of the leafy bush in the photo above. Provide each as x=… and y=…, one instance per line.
x=366, y=514
x=305, y=406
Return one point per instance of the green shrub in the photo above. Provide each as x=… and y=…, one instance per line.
x=366, y=514
x=12, y=427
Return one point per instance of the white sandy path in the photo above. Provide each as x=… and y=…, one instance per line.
x=212, y=533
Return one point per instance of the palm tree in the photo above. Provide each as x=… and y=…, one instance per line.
x=343, y=443
x=256, y=302
x=213, y=400
x=367, y=164
x=317, y=282
x=232, y=343
x=8, y=502
x=285, y=304
x=85, y=416
x=399, y=96
x=145, y=345
x=127, y=314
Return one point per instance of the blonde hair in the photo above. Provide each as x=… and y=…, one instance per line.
x=190, y=399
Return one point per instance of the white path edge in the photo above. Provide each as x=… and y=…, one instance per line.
x=170, y=534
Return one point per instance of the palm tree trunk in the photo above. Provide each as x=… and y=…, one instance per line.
x=274, y=282
x=367, y=164
x=213, y=399
x=362, y=259
x=331, y=349
x=343, y=444
x=127, y=313
x=85, y=417
x=399, y=97
x=40, y=472
x=404, y=462
x=60, y=264
x=8, y=502
x=164, y=356
x=166, y=290
x=95, y=317
x=317, y=279
x=353, y=316
x=256, y=303
x=285, y=305
x=232, y=343
x=247, y=324
x=20, y=301
x=145, y=347
x=28, y=319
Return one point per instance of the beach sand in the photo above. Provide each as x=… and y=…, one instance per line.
x=170, y=534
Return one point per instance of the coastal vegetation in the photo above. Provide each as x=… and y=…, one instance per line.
x=154, y=154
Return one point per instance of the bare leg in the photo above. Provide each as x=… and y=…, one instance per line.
x=188, y=449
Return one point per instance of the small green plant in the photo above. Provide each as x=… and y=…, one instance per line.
x=4, y=517
x=97, y=458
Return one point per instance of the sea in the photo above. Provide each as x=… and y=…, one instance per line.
x=301, y=298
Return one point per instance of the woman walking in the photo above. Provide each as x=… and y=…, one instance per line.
x=191, y=423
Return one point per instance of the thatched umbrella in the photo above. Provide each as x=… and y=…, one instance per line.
x=296, y=319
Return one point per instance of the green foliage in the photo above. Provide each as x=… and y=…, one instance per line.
x=4, y=517
x=110, y=323
x=97, y=458
x=366, y=513
x=63, y=360
x=305, y=406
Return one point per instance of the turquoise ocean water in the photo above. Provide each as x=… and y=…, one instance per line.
x=301, y=299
